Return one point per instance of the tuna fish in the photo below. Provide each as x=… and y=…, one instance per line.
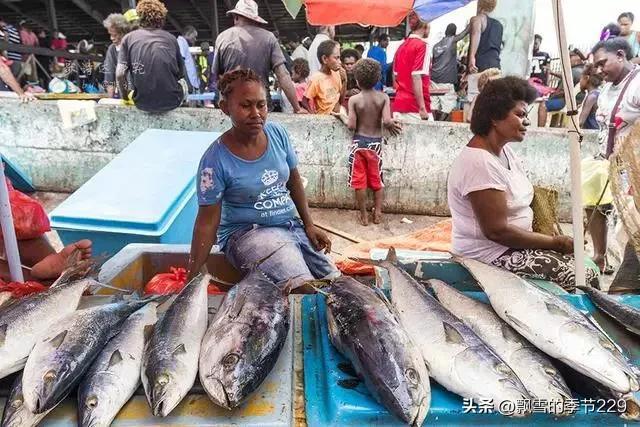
x=16, y=413
x=170, y=362
x=62, y=356
x=365, y=329
x=27, y=319
x=115, y=374
x=624, y=314
x=244, y=340
x=535, y=370
x=455, y=356
x=554, y=326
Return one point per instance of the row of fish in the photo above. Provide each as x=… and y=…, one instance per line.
x=512, y=350
x=107, y=351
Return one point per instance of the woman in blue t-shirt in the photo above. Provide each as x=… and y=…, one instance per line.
x=249, y=189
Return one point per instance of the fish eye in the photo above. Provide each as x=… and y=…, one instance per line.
x=162, y=380
x=503, y=369
x=230, y=360
x=92, y=402
x=16, y=403
x=412, y=376
x=551, y=371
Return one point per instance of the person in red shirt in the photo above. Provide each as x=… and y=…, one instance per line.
x=412, y=68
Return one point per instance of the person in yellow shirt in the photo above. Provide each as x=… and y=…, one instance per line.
x=326, y=87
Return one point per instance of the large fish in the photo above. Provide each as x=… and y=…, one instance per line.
x=62, y=356
x=170, y=362
x=27, y=319
x=541, y=379
x=626, y=405
x=554, y=326
x=455, y=356
x=244, y=340
x=114, y=376
x=16, y=413
x=624, y=314
x=365, y=329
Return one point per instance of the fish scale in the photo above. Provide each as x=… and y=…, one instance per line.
x=59, y=359
x=115, y=374
x=25, y=320
x=554, y=326
x=170, y=361
x=455, y=356
x=365, y=329
x=244, y=340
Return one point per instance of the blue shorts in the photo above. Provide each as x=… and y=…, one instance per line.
x=294, y=258
x=554, y=104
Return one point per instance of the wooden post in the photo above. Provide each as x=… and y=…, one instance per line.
x=215, y=22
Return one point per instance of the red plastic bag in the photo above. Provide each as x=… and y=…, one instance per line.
x=30, y=220
x=172, y=283
x=19, y=290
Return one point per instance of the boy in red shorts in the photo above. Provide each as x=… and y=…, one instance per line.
x=369, y=111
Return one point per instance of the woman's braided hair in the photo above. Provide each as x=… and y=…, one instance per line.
x=229, y=80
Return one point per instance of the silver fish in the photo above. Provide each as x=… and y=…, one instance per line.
x=16, y=413
x=554, y=326
x=28, y=318
x=244, y=340
x=170, y=362
x=627, y=316
x=59, y=359
x=114, y=376
x=455, y=356
x=535, y=370
x=365, y=329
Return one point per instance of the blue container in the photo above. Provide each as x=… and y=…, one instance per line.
x=331, y=400
x=146, y=194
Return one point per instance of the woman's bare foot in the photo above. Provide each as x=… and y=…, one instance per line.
x=363, y=218
x=53, y=265
x=600, y=262
x=377, y=217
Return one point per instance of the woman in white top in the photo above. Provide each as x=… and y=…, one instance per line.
x=490, y=195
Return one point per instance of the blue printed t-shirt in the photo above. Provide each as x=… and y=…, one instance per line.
x=252, y=191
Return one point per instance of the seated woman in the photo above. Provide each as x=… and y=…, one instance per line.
x=490, y=196
x=249, y=189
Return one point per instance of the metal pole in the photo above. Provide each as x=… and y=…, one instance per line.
x=215, y=23
x=51, y=13
x=574, y=145
x=8, y=232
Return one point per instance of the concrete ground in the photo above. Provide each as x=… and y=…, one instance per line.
x=342, y=220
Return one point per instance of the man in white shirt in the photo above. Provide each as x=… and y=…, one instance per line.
x=324, y=33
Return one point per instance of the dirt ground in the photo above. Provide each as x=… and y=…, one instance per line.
x=341, y=220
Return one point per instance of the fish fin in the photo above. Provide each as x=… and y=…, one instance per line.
x=238, y=303
x=517, y=322
x=256, y=264
x=555, y=309
x=147, y=331
x=75, y=269
x=179, y=350
x=3, y=334
x=509, y=334
x=116, y=357
x=451, y=334
x=58, y=339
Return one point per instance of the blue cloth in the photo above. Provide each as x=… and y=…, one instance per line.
x=380, y=55
x=293, y=257
x=554, y=104
x=251, y=191
x=189, y=63
x=428, y=10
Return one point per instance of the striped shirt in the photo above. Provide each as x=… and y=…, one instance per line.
x=12, y=35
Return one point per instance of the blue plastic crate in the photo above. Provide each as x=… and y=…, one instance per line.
x=328, y=403
x=146, y=194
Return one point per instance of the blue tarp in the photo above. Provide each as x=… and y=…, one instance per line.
x=429, y=10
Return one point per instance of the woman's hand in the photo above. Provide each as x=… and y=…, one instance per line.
x=318, y=238
x=563, y=244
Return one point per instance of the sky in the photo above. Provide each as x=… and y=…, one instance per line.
x=584, y=19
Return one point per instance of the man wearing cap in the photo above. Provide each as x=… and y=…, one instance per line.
x=246, y=45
